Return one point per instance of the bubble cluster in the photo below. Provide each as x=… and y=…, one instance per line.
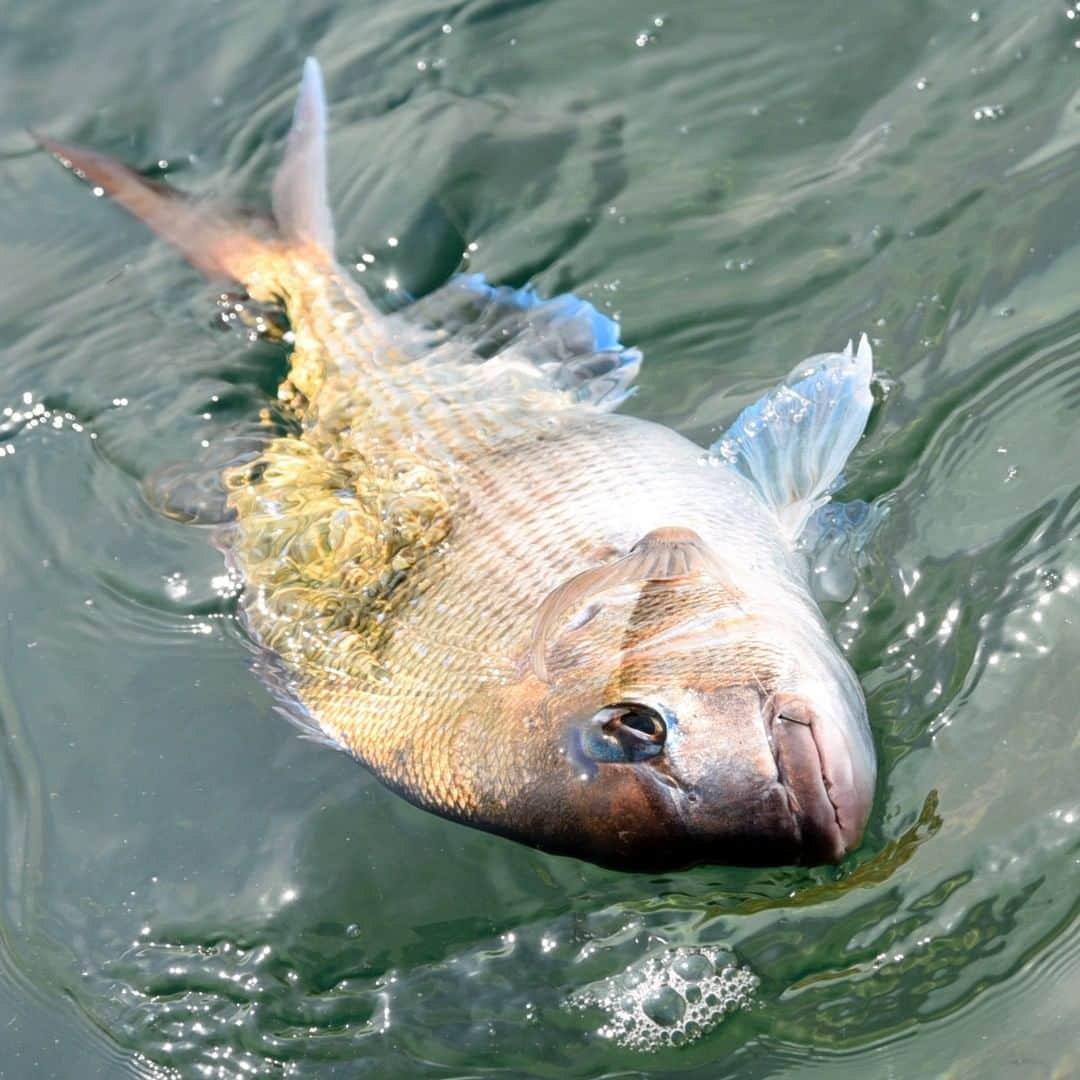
x=669, y=999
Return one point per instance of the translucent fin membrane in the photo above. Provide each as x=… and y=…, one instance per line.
x=567, y=339
x=662, y=555
x=793, y=442
x=299, y=193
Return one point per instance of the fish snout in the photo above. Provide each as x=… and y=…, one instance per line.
x=736, y=780
x=829, y=786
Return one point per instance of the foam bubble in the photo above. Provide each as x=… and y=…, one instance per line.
x=668, y=999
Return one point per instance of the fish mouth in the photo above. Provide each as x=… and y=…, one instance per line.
x=818, y=782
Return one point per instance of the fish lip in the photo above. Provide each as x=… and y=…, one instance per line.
x=825, y=833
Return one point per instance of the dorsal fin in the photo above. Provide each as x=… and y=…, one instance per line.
x=300, y=203
x=661, y=555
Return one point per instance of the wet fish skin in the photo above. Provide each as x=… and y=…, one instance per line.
x=398, y=555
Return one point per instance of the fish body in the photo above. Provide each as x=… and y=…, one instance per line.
x=517, y=607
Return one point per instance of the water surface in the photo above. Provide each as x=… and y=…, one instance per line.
x=188, y=888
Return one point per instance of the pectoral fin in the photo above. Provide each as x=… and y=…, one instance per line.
x=793, y=442
x=576, y=346
x=662, y=555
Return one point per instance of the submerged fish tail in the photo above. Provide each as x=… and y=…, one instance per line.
x=287, y=257
x=211, y=240
x=263, y=255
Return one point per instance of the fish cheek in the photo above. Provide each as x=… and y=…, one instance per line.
x=622, y=815
x=610, y=813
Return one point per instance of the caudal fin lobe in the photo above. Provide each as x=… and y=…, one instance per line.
x=216, y=242
x=301, y=207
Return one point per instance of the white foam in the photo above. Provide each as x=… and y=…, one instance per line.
x=669, y=999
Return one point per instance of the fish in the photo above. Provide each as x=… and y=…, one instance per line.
x=519, y=608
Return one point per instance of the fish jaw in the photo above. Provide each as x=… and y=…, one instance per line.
x=830, y=782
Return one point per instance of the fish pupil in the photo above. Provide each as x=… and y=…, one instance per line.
x=639, y=729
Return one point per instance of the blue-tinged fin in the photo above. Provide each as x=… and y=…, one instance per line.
x=301, y=206
x=793, y=443
x=833, y=541
x=565, y=337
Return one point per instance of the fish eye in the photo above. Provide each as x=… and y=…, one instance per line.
x=626, y=732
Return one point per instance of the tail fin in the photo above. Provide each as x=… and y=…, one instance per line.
x=299, y=193
x=218, y=244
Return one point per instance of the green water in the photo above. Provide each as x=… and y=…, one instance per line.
x=188, y=888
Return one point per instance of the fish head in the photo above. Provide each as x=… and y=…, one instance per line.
x=695, y=727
